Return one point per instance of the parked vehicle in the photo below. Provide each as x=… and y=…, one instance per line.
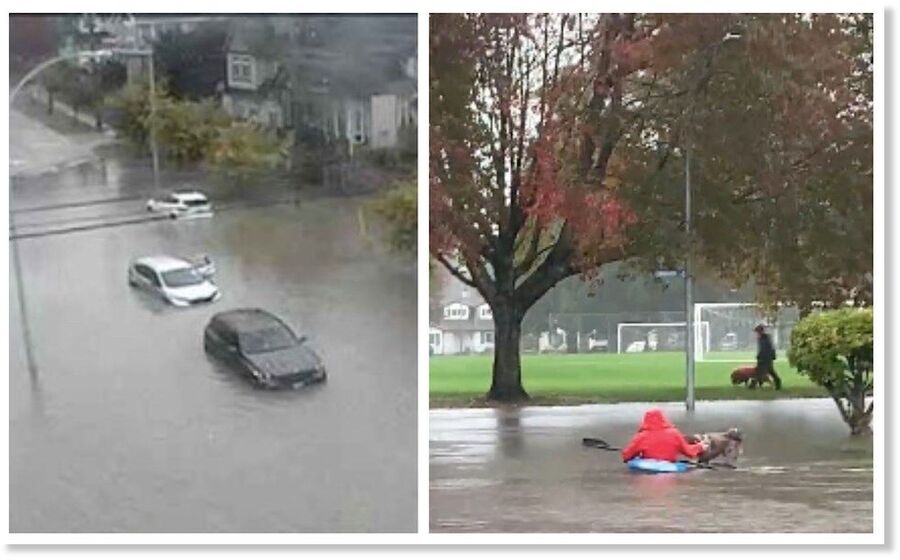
x=182, y=205
x=263, y=347
x=174, y=280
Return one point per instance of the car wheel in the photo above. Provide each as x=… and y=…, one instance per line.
x=173, y=215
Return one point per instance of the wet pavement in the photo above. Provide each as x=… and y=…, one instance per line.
x=525, y=470
x=36, y=148
x=129, y=426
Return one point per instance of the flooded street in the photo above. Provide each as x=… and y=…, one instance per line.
x=129, y=426
x=525, y=470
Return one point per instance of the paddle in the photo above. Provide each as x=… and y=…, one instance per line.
x=598, y=443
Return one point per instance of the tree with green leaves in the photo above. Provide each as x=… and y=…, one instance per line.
x=835, y=350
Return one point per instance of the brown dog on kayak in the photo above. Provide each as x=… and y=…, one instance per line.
x=747, y=376
x=727, y=445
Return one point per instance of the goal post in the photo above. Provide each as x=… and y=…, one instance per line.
x=730, y=330
x=657, y=337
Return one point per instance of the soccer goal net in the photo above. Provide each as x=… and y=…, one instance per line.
x=656, y=337
x=730, y=336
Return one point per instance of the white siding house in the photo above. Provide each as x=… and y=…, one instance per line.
x=463, y=327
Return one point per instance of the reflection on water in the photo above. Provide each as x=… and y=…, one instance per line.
x=524, y=470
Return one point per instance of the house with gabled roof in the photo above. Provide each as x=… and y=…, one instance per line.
x=461, y=321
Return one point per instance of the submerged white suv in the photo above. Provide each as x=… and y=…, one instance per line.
x=182, y=205
x=175, y=280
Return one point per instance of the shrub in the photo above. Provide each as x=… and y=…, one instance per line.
x=399, y=210
x=242, y=150
x=835, y=350
x=188, y=130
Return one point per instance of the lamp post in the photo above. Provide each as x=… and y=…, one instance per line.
x=30, y=361
x=14, y=245
x=689, y=287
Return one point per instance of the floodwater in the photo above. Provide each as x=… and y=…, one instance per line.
x=525, y=470
x=129, y=426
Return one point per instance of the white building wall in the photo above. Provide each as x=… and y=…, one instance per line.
x=385, y=119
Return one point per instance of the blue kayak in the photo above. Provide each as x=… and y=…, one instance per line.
x=657, y=466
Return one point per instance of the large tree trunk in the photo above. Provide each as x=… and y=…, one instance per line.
x=506, y=383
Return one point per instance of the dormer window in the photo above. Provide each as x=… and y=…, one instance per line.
x=241, y=71
x=484, y=312
x=456, y=312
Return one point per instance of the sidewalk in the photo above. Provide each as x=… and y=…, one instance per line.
x=35, y=148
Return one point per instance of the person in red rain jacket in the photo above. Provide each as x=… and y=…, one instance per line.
x=657, y=438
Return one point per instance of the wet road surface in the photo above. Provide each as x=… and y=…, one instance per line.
x=128, y=426
x=525, y=470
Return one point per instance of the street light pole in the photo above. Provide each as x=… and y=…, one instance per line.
x=30, y=361
x=689, y=286
x=153, y=148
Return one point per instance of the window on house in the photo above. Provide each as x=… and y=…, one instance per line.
x=456, y=312
x=484, y=312
x=434, y=339
x=487, y=337
x=240, y=70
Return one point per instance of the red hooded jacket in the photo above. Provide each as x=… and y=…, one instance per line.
x=657, y=438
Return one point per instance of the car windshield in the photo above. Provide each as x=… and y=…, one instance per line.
x=266, y=340
x=196, y=202
x=182, y=277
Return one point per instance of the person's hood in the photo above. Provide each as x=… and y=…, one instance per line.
x=654, y=419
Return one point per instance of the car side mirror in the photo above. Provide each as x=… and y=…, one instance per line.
x=302, y=339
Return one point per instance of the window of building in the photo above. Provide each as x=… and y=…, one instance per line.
x=484, y=312
x=456, y=311
x=487, y=337
x=241, y=70
x=434, y=339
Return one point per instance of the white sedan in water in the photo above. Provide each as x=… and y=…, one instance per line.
x=174, y=280
x=185, y=204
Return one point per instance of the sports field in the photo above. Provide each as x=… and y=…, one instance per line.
x=583, y=378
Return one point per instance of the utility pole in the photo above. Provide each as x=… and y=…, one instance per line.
x=13, y=242
x=153, y=148
x=688, y=286
x=30, y=362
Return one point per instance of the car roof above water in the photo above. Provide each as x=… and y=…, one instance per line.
x=249, y=319
x=190, y=196
x=163, y=263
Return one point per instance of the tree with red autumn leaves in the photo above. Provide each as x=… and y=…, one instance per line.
x=557, y=145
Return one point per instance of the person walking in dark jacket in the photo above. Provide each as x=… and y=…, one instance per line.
x=765, y=357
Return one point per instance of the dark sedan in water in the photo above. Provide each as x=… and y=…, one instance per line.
x=263, y=347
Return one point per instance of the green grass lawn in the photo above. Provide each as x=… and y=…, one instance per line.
x=604, y=378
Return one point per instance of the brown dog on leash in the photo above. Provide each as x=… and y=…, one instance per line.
x=728, y=445
x=747, y=375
